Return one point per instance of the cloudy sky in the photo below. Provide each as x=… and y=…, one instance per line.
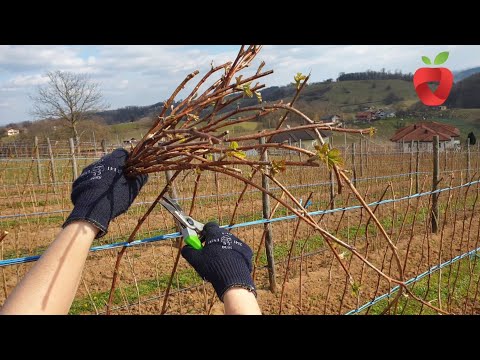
x=146, y=74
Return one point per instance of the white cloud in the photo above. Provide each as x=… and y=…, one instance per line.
x=123, y=84
x=36, y=57
x=27, y=80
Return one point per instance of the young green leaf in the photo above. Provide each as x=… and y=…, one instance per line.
x=298, y=78
x=322, y=149
x=330, y=157
x=259, y=96
x=237, y=154
x=233, y=145
x=441, y=58
x=426, y=60
x=278, y=166
x=246, y=89
x=334, y=158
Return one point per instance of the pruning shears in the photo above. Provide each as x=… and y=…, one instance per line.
x=190, y=227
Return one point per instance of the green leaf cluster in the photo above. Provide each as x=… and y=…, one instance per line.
x=298, y=79
x=329, y=156
x=233, y=152
x=278, y=166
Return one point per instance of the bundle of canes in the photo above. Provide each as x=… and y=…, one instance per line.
x=190, y=136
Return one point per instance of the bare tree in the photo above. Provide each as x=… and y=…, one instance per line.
x=68, y=96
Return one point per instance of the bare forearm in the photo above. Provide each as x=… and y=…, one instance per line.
x=239, y=301
x=50, y=285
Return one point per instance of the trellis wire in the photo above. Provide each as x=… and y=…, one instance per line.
x=273, y=188
x=21, y=260
x=413, y=280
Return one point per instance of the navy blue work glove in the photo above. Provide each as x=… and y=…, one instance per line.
x=102, y=192
x=224, y=260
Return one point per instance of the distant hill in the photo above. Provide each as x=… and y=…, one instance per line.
x=129, y=113
x=375, y=75
x=316, y=98
x=465, y=93
x=462, y=74
x=347, y=94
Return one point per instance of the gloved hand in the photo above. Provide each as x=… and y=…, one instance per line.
x=224, y=260
x=102, y=192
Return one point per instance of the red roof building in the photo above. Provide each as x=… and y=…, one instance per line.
x=424, y=132
x=365, y=116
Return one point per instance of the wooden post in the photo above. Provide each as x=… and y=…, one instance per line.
x=94, y=143
x=268, y=228
x=77, y=143
x=332, y=181
x=354, y=168
x=52, y=164
x=417, y=167
x=74, y=159
x=367, y=149
x=410, y=169
x=15, y=148
x=411, y=157
x=477, y=155
x=104, y=146
x=446, y=162
x=39, y=165
x=361, y=158
x=468, y=159
x=436, y=170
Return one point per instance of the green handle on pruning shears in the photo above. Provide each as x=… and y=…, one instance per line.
x=193, y=241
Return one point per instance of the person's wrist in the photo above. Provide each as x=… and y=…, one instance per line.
x=235, y=291
x=239, y=288
x=91, y=215
x=240, y=301
x=85, y=227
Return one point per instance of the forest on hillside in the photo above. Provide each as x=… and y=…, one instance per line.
x=375, y=75
x=465, y=93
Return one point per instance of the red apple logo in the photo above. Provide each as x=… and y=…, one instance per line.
x=425, y=75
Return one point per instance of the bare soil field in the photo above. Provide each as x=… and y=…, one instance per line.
x=316, y=284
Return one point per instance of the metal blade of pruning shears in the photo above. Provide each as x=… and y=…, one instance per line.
x=190, y=227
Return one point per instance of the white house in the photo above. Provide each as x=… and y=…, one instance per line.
x=12, y=132
x=331, y=118
x=306, y=139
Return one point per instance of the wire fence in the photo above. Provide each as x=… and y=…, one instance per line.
x=245, y=224
x=273, y=188
x=414, y=280
x=396, y=185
